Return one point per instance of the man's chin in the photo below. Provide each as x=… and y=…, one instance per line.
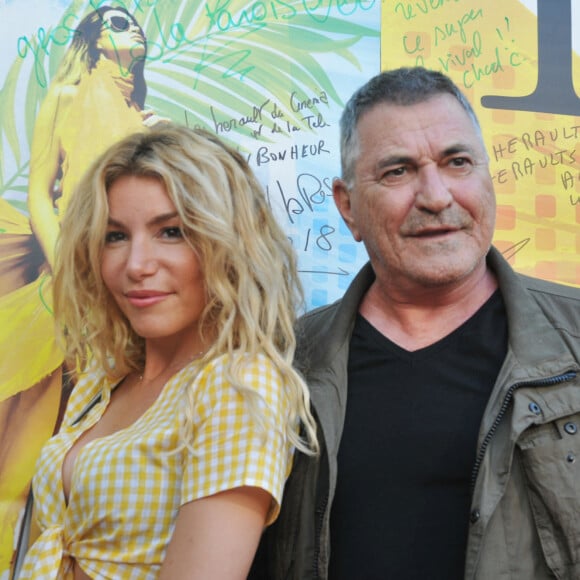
x=441, y=272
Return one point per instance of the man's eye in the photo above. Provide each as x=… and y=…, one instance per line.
x=459, y=161
x=394, y=174
x=399, y=175
x=397, y=172
x=112, y=237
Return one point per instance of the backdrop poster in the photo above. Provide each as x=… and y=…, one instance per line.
x=518, y=63
x=268, y=77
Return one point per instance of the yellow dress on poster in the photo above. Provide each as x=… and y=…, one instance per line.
x=95, y=99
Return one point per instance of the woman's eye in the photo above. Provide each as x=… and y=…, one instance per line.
x=112, y=237
x=173, y=232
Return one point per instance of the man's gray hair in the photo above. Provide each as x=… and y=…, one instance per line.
x=402, y=86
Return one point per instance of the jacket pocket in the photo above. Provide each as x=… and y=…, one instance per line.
x=551, y=462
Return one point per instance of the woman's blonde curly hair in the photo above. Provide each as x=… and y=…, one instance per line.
x=253, y=290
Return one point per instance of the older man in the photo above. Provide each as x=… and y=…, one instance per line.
x=445, y=384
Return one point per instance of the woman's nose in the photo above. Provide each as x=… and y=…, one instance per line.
x=141, y=260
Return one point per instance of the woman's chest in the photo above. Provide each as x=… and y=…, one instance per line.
x=126, y=414
x=112, y=470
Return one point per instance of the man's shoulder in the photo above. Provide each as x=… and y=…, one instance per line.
x=554, y=290
x=342, y=309
x=559, y=302
x=320, y=315
x=315, y=329
x=324, y=332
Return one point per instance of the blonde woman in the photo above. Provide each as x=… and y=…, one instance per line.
x=175, y=291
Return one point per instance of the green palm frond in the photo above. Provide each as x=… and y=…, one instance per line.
x=7, y=117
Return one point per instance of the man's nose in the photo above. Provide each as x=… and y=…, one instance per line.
x=433, y=194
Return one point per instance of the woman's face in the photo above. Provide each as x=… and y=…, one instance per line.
x=121, y=39
x=153, y=274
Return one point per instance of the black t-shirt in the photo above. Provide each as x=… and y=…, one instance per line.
x=402, y=503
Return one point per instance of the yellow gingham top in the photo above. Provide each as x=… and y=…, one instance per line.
x=126, y=489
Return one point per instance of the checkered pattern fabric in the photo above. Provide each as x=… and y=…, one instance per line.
x=126, y=488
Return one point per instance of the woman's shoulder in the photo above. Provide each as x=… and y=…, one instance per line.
x=240, y=363
x=238, y=372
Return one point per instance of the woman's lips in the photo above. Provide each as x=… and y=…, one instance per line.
x=143, y=298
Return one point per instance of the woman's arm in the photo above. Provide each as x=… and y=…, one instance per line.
x=217, y=536
x=44, y=167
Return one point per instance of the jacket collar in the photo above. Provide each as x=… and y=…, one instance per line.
x=324, y=331
x=533, y=340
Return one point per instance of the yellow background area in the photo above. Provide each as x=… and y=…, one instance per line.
x=490, y=48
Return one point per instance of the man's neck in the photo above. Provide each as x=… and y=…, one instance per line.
x=414, y=320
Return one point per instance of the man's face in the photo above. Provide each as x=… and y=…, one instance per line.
x=422, y=200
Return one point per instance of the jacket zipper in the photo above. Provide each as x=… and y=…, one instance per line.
x=318, y=532
x=321, y=506
x=568, y=376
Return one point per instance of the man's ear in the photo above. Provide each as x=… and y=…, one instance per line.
x=342, y=199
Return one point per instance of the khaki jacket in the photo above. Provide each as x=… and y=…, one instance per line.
x=525, y=516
